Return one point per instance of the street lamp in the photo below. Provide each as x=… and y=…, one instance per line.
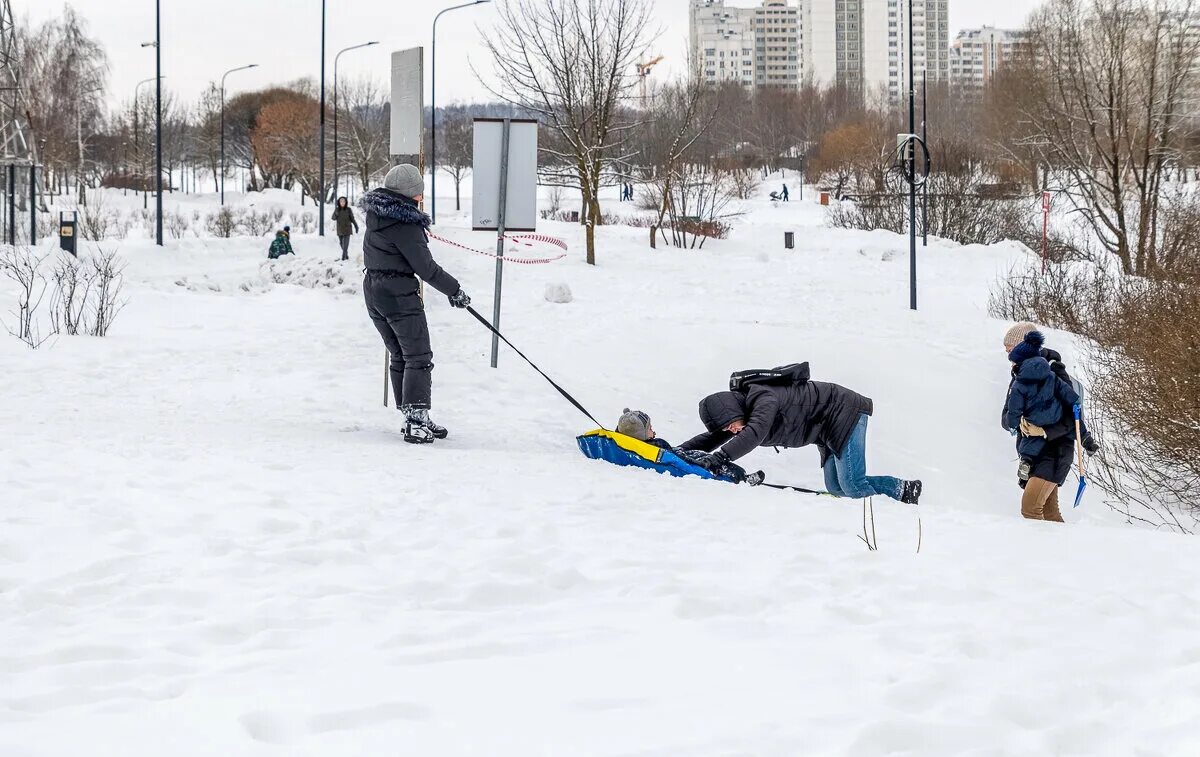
x=335, y=107
x=227, y=73
x=321, y=178
x=157, y=45
x=433, y=111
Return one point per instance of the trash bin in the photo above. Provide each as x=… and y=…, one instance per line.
x=789, y=240
x=824, y=198
x=67, y=223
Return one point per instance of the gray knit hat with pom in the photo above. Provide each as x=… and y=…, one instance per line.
x=634, y=423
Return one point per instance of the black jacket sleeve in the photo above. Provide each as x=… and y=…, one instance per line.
x=764, y=407
x=410, y=240
x=707, y=441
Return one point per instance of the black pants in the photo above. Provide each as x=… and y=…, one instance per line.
x=345, y=242
x=395, y=306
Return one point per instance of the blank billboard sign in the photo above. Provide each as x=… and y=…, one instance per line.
x=408, y=101
x=521, y=197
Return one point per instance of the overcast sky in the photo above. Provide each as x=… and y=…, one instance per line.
x=204, y=38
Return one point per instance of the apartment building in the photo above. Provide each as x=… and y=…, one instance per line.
x=977, y=53
x=860, y=44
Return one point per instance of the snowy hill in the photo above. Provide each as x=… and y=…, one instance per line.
x=213, y=541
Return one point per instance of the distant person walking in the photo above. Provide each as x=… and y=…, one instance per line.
x=343, y=216
x=784, y=193
x=395, y=253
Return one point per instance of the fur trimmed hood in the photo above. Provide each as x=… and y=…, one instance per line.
x=388, y=204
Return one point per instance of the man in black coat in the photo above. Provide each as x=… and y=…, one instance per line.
x=805, y=412
x=396, y=253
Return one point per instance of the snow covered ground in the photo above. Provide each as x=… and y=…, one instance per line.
x=213, y=541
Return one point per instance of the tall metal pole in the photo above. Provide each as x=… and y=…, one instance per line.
x=33, y=204
x=158, y=223
x=227, y=73
x=335, y=108
x=12, y=204
x=500, y=239
x=924, y=184
x=433, y=112
x=912, y=168
x=321, y=178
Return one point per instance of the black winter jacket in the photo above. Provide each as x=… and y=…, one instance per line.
x=396, y=240
x=811, y=412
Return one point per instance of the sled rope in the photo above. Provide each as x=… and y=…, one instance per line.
x=519, y=239
x=554, y=384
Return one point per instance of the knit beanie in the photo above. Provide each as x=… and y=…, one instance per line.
x=1014, y=335
x=634, y=423
x=405, y=179
x=1030, y=346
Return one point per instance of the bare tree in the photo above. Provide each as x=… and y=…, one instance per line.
x=571, y=62
x=456, y=151
x=1105, y=92
x=680, y=114
x=364, y=116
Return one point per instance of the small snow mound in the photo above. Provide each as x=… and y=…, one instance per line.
x=560, y=293
x=312, y=273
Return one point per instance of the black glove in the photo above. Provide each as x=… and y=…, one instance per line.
x=1090, y=445
x=460, y=299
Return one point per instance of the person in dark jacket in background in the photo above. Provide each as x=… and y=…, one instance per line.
x=395, y=254
x=808, y=412
x=1039, y=411
x=343, y=216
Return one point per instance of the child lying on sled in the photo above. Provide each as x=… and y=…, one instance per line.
x=636, y=424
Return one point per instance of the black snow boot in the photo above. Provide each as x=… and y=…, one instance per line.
x=417, y=428
x=911, y=492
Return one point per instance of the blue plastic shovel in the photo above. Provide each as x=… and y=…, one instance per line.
x=1079, y=450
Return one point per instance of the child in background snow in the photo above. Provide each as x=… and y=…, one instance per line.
x=282, y=244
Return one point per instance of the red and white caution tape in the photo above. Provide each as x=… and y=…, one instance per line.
x=527, y=240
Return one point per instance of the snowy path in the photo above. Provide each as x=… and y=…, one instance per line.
x=212, y=540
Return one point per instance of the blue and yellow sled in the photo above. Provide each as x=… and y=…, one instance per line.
x=620, y=449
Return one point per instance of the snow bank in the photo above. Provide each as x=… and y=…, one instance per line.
x=213, y=541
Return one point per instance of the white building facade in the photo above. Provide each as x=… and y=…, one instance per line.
x=859, y=44
x=977, y=54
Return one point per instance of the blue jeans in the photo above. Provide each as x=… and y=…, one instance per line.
x=846, y=474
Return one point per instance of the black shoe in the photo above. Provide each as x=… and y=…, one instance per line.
x=911, y=492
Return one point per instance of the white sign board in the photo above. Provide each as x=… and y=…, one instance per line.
x=521, y=198
x=408, y=101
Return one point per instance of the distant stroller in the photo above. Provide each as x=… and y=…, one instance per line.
x=776, y=197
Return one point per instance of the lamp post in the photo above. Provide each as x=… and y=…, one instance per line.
x=433, y=111
x=321, y=178
x=912, y=168
x=227, y=73
x=335, y=107
x=157, y=45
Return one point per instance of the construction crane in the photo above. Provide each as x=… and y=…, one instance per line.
x=643, y=70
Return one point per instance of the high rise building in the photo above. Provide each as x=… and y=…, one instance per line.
x=755, y=47
x=977, y=53
x=858, y=44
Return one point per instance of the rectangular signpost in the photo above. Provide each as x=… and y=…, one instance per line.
x=408, y=103
x=1045, y=225
x=504, y=189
